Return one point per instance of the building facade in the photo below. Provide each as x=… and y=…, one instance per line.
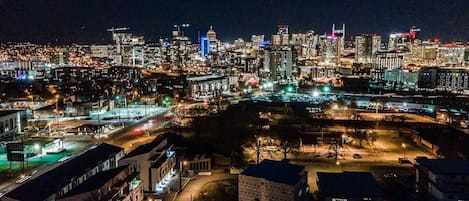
x=273, y=180
x=279, y=65
x=442, y=179
x=366, y=47
x=386, y=60
x=10, y=123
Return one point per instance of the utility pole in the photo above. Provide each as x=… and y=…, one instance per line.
x=258, y=144
x=285, y=149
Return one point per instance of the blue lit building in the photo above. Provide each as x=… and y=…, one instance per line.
x=204, y=46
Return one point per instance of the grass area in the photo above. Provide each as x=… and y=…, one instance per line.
x=219, y=190
x=17, y=170
x=32, y=163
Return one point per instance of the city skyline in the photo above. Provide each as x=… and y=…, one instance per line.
x=286, y=100
x=87, y=21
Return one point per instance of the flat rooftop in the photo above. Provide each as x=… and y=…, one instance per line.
x=348, y=185
x=445, y=166
x=276, y=171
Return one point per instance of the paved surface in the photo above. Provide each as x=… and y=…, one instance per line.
x=129, y=138
x=194, y=187
x=138, y=133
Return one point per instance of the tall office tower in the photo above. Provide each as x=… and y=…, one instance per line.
x=276, y=40
x=414, y=33
x=398, y=41
x=257, y=41
x=330, y=49
x=278, y=65
x=129, y=48
x=340, y=35
x=211, y=34
x=366, y=47
x=403, y=40
x=282, y=37
x=137, y=57
x=385, y=60
x=310, y=47
x=213, y=41
x=204, y=47
x=298, y=39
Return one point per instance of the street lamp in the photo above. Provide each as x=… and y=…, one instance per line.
x=49, y=125
x=181, y=169
x=315, y=93
x=32, y=105
x=405, y=148
x=57, y=108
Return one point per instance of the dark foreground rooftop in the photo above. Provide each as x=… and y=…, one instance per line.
x=348, y=185
x=276, y=171
x=45, y=185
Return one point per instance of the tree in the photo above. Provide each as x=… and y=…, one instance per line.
x=372, y=137
x=360, y=135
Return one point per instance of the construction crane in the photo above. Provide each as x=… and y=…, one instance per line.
x=180, y=28
x=118, y=29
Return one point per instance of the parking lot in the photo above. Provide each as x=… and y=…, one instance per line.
x=380, y=158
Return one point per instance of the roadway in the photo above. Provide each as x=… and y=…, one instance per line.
x=140, y=132
x=129, y=138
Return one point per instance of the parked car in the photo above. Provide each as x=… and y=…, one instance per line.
x=357, y=156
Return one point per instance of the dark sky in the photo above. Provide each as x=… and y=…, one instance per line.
x=87, y=20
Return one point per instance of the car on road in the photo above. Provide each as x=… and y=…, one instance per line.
x=23, y=179
x=357, y=156
x=65, y=158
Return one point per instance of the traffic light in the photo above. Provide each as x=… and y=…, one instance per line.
x=290, y=88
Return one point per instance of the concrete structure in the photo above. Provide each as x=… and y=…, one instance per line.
x=155, y=162
x=206, y=87
x=278, y=65
x=348, y=186
x=366, y=46
x=330, y=49
x=273, y=180
x=443, y=179
x=200, y=162
x=69, y=175
x=10, y=122
x=385, y=60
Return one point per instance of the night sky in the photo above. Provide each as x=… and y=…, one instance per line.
x=65, y=21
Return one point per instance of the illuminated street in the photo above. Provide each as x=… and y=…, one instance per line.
x=205, y=100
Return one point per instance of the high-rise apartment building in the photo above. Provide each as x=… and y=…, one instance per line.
x=278, y=65
x=366, y=46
